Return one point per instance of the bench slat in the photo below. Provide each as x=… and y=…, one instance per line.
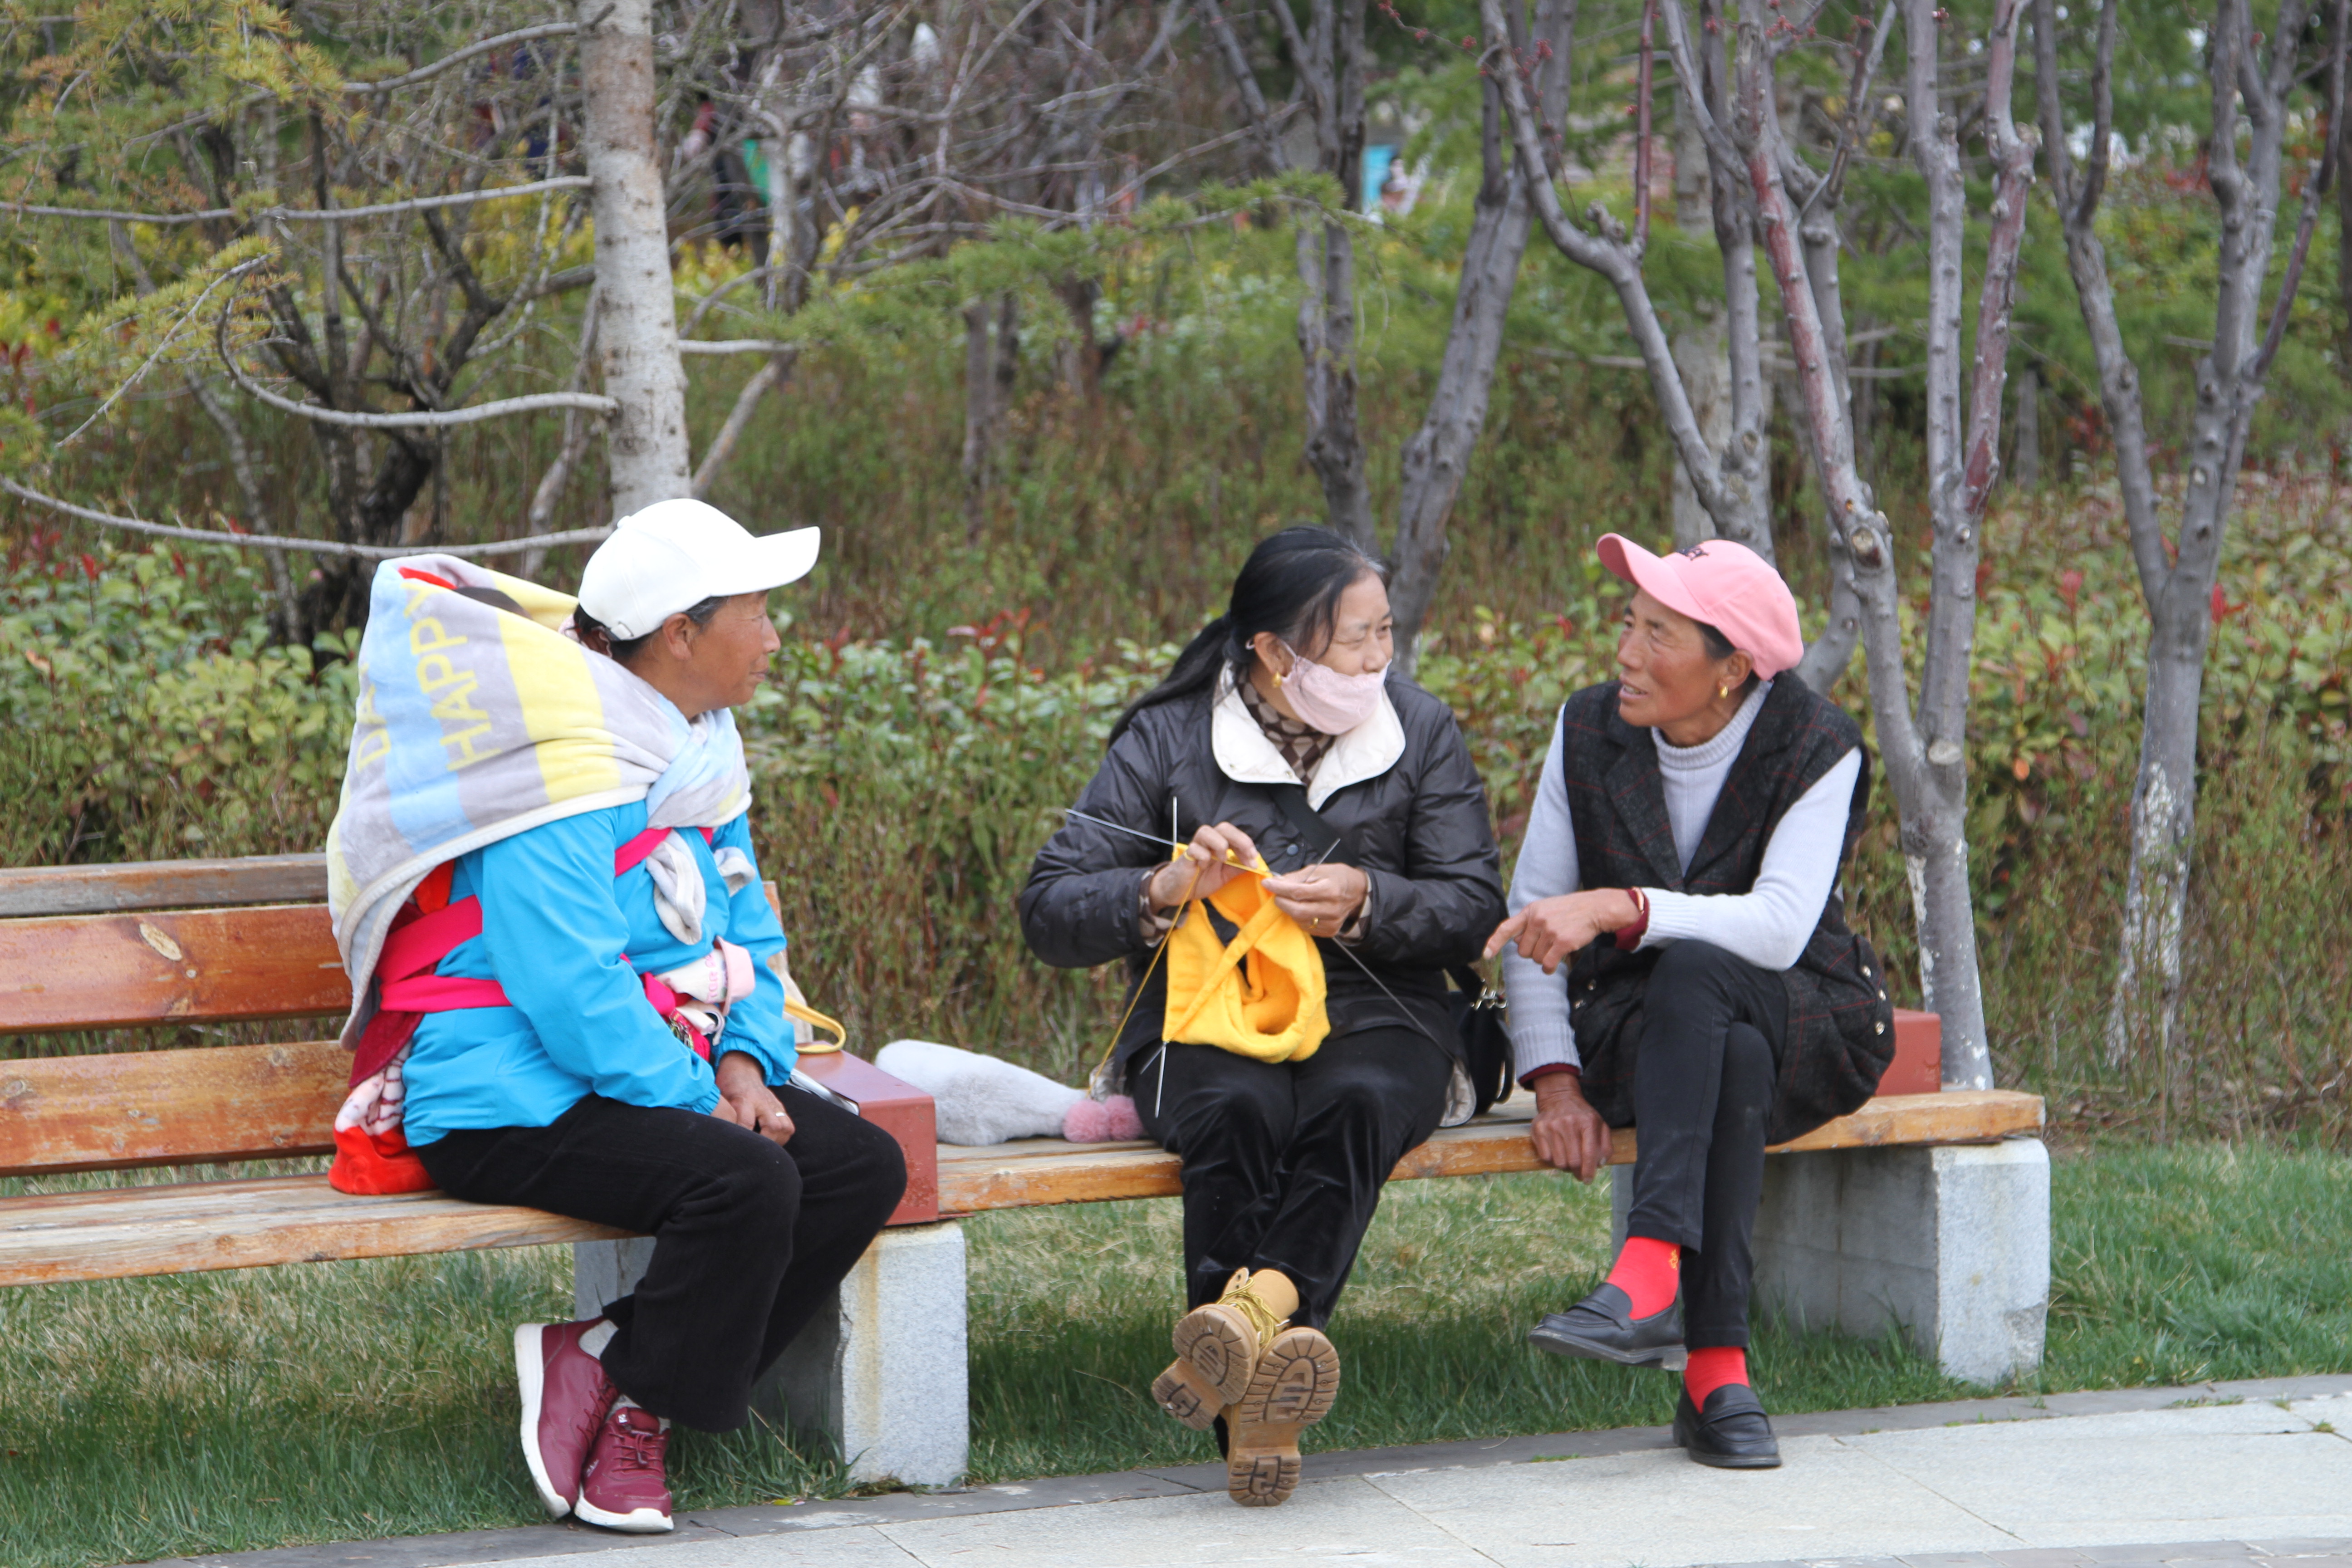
x=206, y=1226
x=1040, y=1171
x=162, y=885
x=169, y=1108
x=119, y=971
x=183, y=1228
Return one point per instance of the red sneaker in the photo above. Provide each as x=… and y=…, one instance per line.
x=624, y=1487
x=566, y=1395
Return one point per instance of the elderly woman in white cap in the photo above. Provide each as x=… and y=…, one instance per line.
x=579, y=1075
x=1681, y=866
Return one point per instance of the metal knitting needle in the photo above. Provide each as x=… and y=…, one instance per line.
x=1155, y=838
x=1367, y=968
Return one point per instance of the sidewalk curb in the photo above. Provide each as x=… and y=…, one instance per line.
x=567, y=1539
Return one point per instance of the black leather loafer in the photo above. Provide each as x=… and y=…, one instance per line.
x=1602, y=1327
x=1731, y=1433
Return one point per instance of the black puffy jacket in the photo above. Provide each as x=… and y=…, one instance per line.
x=1419, y=830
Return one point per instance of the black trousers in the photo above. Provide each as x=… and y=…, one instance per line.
x=750, y=1238
x=1283, y=1162
x=1712, y=1029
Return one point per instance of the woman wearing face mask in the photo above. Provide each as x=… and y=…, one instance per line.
x=1681, y=868
x=1280, y=733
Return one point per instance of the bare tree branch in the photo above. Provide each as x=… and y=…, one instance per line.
x=305, y=215
x=722, y=445
x=310, y=546
x=459, y=56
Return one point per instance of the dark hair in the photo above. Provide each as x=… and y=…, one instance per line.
x=1290, y=585
x=1720, y=646
x=624, y=650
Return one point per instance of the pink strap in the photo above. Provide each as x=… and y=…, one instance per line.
x=632, y=855
x=442, y=994
x=413, y=950
x=428, y=939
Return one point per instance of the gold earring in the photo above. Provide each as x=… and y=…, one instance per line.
x=1722, y=692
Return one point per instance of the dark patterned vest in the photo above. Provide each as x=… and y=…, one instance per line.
x=1841, y=1027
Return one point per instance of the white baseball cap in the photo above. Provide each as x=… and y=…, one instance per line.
x=673, y=554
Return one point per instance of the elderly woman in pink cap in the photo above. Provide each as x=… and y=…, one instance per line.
x=1683, y=962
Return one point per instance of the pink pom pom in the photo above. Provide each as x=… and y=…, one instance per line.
x=1102, y=1121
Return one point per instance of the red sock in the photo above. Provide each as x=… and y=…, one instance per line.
x=1649, y=1271
x=1713, y=1368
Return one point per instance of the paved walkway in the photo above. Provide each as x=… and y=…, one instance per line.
x=2221, y=1476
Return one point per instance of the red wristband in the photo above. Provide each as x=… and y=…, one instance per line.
x=1529, y=1079
x=1629, y=937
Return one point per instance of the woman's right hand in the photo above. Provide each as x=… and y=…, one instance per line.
x=1215, y=857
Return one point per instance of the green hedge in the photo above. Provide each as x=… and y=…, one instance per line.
x=903, y=787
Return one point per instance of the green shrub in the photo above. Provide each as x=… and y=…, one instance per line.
x=904, y=785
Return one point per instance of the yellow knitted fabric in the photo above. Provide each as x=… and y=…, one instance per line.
x=1259, y=995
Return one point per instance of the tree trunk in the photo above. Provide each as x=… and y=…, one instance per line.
x=1701, y=353
x=1745, y=460
x=2146, y=1009
x=1438, y=453
x=646, y=442
x=979, y=411
x=1703, y=356
x=2025, y=448
x=1326, y=267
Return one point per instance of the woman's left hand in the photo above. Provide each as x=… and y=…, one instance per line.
x=745, y=1098
x=1321, y=898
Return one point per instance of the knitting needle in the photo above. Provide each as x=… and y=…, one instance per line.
x=1176, y=843
x=1155, y=838
x=1367, y=968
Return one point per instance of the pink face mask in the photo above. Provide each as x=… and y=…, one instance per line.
x=1331, y=701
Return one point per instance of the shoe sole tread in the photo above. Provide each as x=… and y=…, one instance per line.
x=1183, y=1397
x=1294, y=1385
x=1220, y=1346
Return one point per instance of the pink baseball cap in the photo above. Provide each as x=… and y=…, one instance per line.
x=1726, y=585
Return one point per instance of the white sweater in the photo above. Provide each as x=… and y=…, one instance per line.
x=1767, y=926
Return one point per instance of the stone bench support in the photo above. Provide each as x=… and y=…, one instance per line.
x=880, y=1377
x=1949, y=1244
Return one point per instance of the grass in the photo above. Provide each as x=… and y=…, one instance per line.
x=217, y=1412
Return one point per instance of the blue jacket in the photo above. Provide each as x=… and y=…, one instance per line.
x=556, y=924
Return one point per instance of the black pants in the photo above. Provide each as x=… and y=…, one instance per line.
x=1283, y=1162
x=750, y=1238
x=1711, y=1035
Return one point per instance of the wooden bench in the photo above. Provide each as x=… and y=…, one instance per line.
x=202, y=944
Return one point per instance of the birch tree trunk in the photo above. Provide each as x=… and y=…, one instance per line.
x=1437, y=454
x=1744, y=458
x=646, y=445
x=1334, y=63
x=2147, y=1009
x=1701, y=355
x=1922, y=753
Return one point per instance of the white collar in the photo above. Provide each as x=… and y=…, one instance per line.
x=1246, y=756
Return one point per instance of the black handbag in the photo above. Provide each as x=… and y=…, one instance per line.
x=1476, y=1008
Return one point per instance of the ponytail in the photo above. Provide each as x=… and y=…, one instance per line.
x=1195, y=669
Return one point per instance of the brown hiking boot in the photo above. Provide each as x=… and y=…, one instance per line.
x=1223, y=1340
x=1185, y=1395
x=1294, y=1385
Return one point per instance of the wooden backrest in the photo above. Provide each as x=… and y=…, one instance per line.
x=176, y=942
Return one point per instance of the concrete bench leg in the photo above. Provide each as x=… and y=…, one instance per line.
x=1951, y=1244
x=882, y=1376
